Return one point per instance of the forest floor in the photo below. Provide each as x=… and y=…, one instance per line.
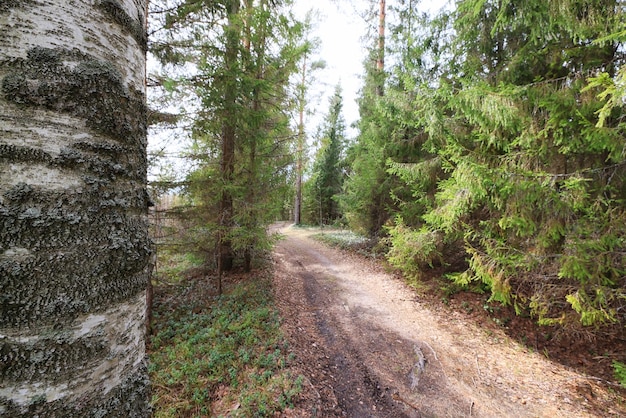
x=368, y=345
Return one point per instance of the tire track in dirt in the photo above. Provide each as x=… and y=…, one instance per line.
x=368, y=348
x=335, y=370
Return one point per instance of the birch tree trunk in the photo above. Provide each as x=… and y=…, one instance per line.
x=74, y=246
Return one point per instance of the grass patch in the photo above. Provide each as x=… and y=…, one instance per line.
x=219, y=356
x=620, y=372
x=344, y=239
x=172, y=265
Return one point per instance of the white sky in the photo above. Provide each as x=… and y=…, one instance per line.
x=341, y=30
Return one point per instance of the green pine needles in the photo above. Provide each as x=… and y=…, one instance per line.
x=504, y=139
x=620, y=372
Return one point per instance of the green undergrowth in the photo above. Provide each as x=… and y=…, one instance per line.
x=172, y=265
x=620, y=372
x=219, y=356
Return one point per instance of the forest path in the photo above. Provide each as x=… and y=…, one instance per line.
x=368, y=348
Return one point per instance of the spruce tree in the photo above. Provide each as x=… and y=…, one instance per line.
x=326, y=181
x=241, y=56
x=534, y=186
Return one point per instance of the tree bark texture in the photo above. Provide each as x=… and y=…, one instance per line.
x=380, y=60
x=74, y=245
x=227, y=166
x=300, y=150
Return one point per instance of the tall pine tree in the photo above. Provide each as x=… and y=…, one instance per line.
x=240, y=56
x=326, y=181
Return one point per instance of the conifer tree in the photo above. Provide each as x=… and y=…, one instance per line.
x=242, y=55
x=325, y=183
x=534, y=187
x=305, y=79
x=366, y=197
x=372, y=196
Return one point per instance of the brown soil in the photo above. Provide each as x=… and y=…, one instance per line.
x=370, y=346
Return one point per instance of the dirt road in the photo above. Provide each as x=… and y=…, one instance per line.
x=368, y=348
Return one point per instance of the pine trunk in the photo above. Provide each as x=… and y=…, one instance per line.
x=380, y=60
x=300, y=150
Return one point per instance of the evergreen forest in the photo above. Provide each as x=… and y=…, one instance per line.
x=490, y=148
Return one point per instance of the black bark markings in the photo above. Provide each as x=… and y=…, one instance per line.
x=7, y=5
x=96, y=222
x=122, y=401
x=135, y=27
x=69, y=233
x=93, y=90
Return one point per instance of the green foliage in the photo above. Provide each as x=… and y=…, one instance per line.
x=501, y=127
x=620, y=372
x=171, y=265
x=412, y=251
x=364, y=189
x=491, y=271
x=325, y=183
x=366, y=193
x=234, y=60
x=458, y=197
x=205, y=357
x=612, y=90
x=593, y=309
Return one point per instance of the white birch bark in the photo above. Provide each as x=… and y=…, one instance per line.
x=73, y=233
